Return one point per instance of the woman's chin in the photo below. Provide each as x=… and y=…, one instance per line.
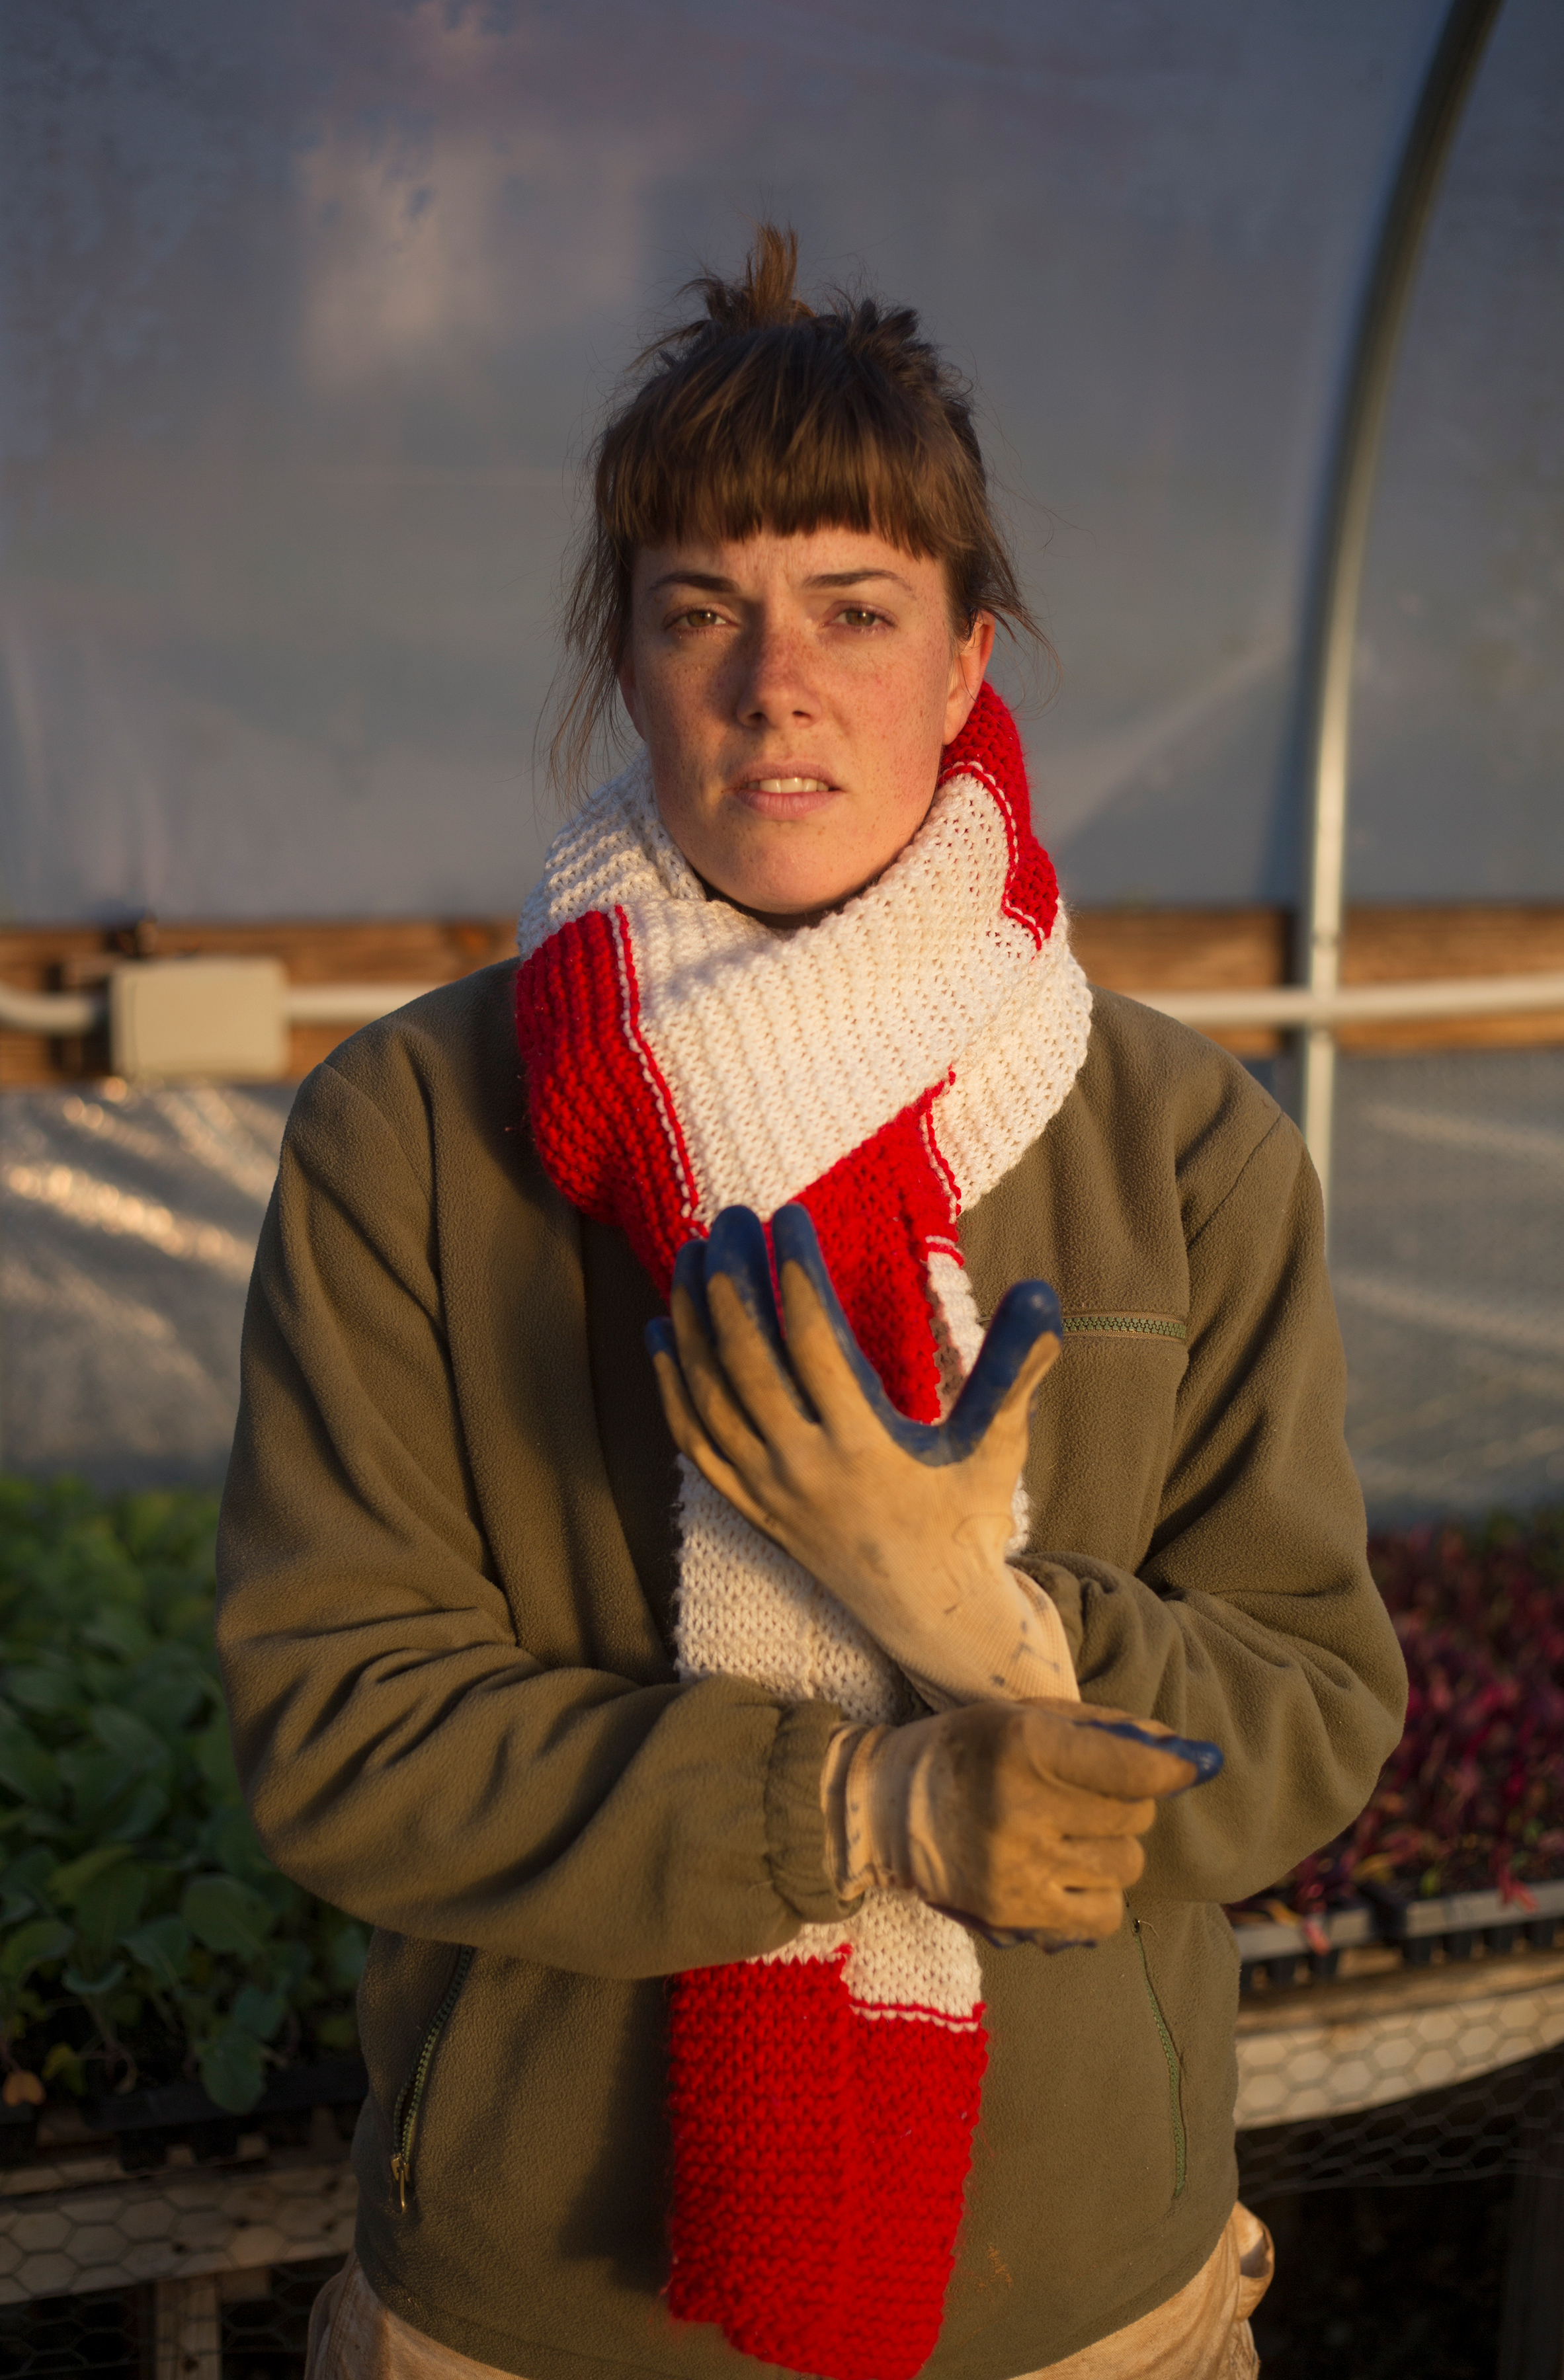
x=787, y=910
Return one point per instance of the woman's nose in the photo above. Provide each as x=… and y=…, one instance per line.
x=777, y=683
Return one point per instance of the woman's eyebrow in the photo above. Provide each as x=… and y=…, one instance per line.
x=707, y=581
x=853, y=577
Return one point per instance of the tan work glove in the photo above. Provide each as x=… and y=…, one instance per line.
x=906, y=1524
x=1021, y=1821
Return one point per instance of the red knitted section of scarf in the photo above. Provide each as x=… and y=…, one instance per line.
x=820, y=2150
x=821, y=2157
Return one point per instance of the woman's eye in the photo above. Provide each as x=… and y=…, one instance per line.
x=856, y=616
x=697, y=619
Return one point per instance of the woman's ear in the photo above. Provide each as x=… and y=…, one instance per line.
x=969, y=666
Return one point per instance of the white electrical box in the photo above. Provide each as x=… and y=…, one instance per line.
x=177, y=1020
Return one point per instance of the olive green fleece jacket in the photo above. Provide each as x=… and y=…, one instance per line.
x=446, y=1569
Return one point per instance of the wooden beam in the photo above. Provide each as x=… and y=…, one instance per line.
x=1398, y=944
x=1125, y=949
x=1222, y=950
x=1188, y=950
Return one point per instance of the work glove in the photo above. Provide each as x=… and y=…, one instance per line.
x=906, y=1523
x=1019, y=1820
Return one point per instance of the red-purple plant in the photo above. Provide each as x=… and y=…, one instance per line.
x=1472, y=1796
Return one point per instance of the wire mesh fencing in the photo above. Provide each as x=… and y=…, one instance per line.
x=241, y=2325
x=1509, y=2122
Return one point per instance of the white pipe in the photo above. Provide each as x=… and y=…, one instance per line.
x=1296, y=1006
x=349, y=1003
x=51, y=1012
x=61, y=1013
x=1283, y=1005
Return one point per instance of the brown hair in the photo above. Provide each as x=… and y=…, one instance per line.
x=767, y=414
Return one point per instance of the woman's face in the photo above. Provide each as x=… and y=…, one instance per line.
x=794, y=693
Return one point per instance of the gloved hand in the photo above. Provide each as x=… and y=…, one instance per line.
x=1020, y=1820
x=905, y=1523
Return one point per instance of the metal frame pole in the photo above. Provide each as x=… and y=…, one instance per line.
x=1332, y=634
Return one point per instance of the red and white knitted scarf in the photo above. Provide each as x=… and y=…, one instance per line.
x=884, y=1068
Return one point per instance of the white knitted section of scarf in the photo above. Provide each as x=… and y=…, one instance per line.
x=782, y=1053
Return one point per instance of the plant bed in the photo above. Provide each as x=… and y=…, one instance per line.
x=1458, y=1922
x=146, y=2124
x=1285, y=1948
x=157, y=1974
x=1462, y=1845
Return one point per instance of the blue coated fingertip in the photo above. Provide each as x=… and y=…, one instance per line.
x=660, y=1340
x=736, y=1249
x=1027, y=1313
x=690, y=1274
x=793, y=1236
x=1204, y=1758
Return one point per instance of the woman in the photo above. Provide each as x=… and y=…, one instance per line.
x=723, y=1820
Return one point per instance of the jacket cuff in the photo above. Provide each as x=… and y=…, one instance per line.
x=795, y=1822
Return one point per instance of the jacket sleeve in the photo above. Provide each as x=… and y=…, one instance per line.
x=1254, y=1620
x=404, y=1752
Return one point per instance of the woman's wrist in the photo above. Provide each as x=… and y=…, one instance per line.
x=1011, y=1647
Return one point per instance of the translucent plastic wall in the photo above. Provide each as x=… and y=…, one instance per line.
x=307, y=311
x=309, y=308
x=1458, y=777
x=1449, y=1245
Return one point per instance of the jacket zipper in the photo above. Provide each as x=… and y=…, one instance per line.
x=410, y=2099
x=1128, y=1326
x=1180, y=2146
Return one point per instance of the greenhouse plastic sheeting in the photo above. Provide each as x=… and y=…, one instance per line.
x=126, y=1225
x=128, y=1229
x=309, y=308
x=306, y=314
x=1458, y=758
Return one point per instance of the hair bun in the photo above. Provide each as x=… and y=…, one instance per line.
x=767, y=295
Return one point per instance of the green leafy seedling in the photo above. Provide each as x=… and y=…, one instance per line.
x=233, y=2069
x=162, y=1949
x=227, y=1915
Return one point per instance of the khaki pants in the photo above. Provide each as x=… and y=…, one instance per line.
x=1199, y=2334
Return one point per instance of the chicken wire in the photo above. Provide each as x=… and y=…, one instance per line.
x=48, y=2339
x=1509, y=2122
x=249, y=2326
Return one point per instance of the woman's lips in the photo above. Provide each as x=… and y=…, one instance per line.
x=790, y=795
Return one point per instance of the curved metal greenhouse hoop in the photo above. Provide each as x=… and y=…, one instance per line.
x=1332, y=622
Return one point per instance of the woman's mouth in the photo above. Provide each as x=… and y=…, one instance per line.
x=785, y=796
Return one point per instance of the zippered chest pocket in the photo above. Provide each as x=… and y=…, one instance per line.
x=1097, y=1460
x=409, y=2099
x=1125, y=1326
